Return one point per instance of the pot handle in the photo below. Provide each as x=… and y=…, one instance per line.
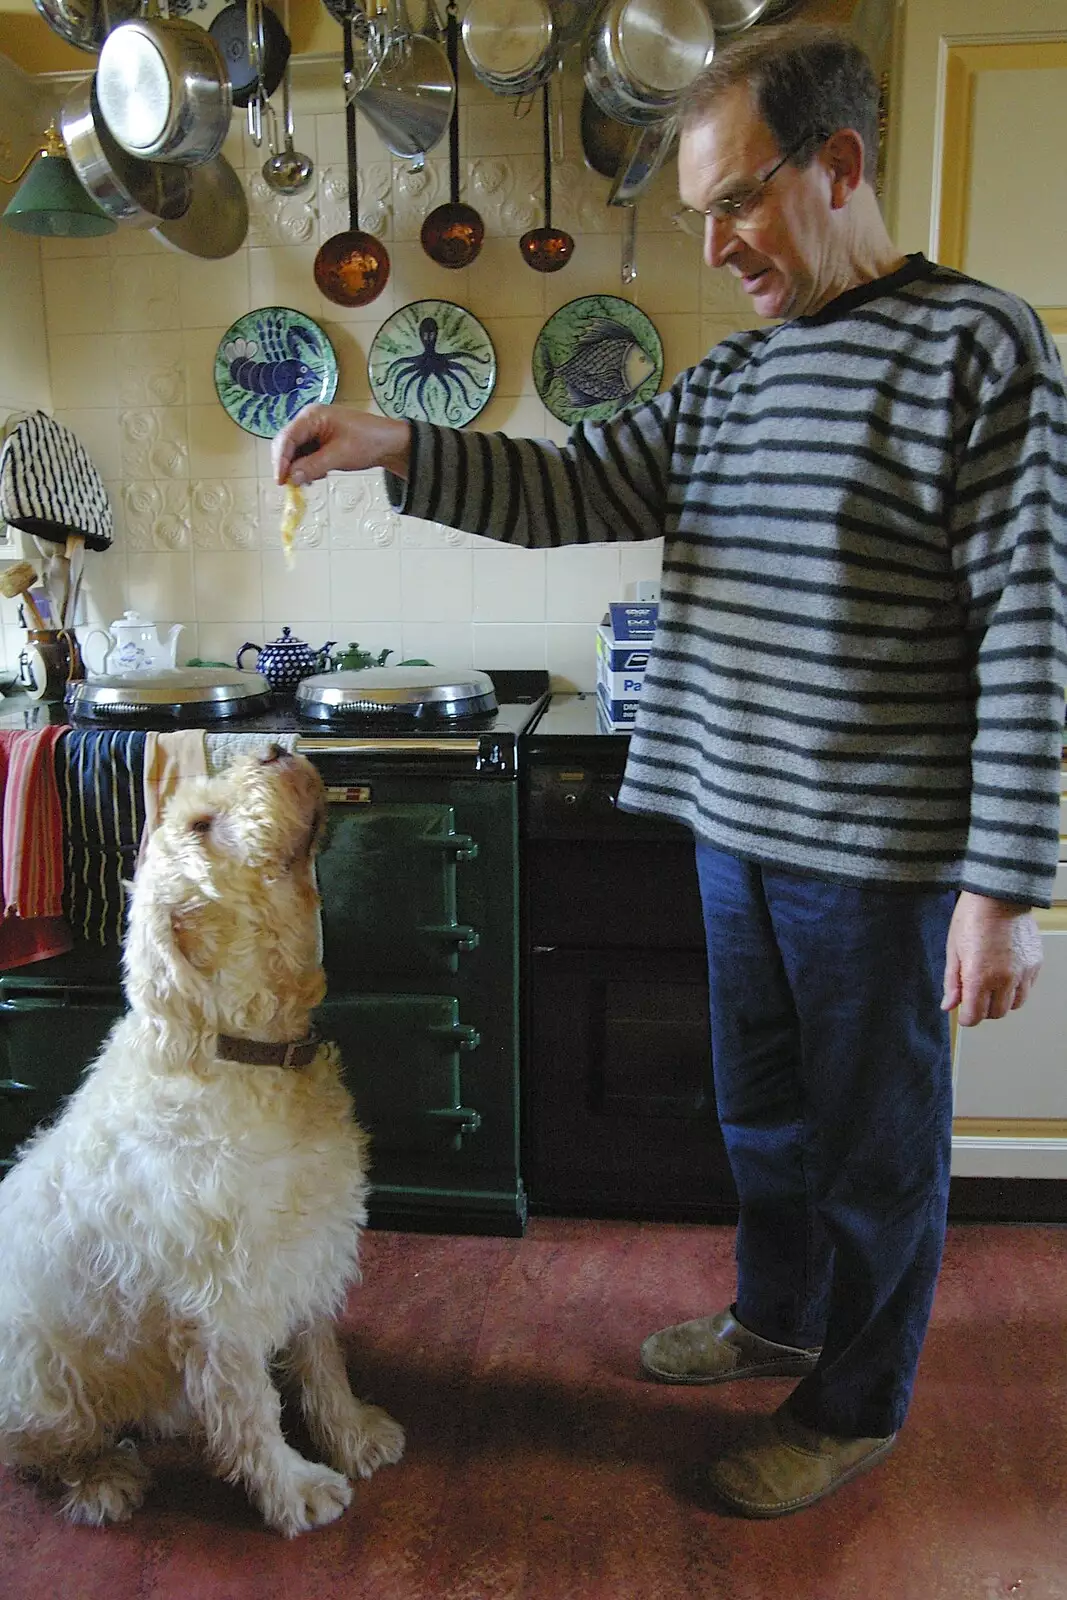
x=92, y=634
x=248, y=646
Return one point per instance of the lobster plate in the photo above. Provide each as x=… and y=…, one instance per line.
x=268, y=364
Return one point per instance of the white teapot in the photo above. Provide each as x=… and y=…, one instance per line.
x=136, y=645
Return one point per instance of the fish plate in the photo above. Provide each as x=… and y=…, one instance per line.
x=269, y=364
x=596, y=356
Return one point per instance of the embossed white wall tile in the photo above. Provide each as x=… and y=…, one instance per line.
x=509, y=585
x=313, y=531
x=582, y=580
x=415, y=534
x=151, y=369
x=508, y=644
x=570, y=656
x=85, y=369
x=146, y=292
x=508, y=193
x=415, y=194
x=359, y=512
x=160, y=587
x=155, y=442
x=300, y=593
x=98, y=430
x=78, y=295
x=365, y=583
x=156, y=515
x=211, y=292
x=218, y=448
x=436, y=585
x=227, y=585
x=224, y=513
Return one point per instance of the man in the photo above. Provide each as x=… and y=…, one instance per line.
x=855, y=700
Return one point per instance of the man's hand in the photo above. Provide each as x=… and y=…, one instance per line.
x=992, y=960
x=322, y=439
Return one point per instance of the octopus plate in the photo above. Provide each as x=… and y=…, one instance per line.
x=595, y=356
x=432, y=361
x=269, y=364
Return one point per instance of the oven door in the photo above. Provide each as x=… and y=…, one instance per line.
x=618, y=1101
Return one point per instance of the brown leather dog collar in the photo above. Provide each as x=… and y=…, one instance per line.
x=260, y=1053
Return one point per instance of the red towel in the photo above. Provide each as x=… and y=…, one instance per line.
x=31, y=846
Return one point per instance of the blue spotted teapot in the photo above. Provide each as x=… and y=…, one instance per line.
x=286, y=661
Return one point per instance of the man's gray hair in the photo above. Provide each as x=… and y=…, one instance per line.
x=804, y=79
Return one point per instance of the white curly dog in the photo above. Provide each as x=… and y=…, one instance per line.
x=191, y=1221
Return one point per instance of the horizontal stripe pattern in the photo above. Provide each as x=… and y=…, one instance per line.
x=861, y=652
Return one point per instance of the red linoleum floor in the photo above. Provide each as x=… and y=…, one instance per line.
x=541, y=1466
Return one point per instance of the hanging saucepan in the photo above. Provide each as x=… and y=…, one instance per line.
x=512, y=45
x=647, y=150
x=143, y=193
x=733, y=16
x=452, y=234
x=643, y=54
x=85, y=23
x=351, y=268
x=230, y=29
x=163, y=90
x=216, y=223
x=604, y=141
x=408, y=97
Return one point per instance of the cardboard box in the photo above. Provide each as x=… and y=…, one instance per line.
x=622, y=648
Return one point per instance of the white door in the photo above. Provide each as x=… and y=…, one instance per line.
x=977, y=134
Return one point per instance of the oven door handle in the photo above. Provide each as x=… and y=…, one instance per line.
x=456, y=933
x=461, y=1034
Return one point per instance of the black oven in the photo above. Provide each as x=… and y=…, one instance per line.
x=618, y=1110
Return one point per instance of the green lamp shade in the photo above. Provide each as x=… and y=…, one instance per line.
x=51, y=202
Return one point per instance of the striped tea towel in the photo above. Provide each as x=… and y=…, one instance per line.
x=31, y=847
x=100, y=774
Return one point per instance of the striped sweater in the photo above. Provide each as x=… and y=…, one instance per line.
x=859, y=665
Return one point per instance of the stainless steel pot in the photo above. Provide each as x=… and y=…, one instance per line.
x=164, y=91
x=643, y=55
x=512, y=45
x=143, y=193
x=733, y=16
x=85, y=23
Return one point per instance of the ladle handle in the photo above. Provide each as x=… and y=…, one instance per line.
x=546, y=138
x=350, y=132
x=452, y=46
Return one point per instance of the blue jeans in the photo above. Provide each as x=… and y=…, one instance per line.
x=834, y=1088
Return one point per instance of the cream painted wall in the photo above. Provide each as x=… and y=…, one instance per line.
x=24, y=366
x=132, y=330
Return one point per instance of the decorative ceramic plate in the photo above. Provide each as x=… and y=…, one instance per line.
x=269, y=364
x=432, y=361
x=594, y=356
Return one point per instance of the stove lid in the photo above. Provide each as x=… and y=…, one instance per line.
x=209, y=692
x=418, y=693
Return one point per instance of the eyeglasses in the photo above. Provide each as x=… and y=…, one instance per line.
x=738, y=206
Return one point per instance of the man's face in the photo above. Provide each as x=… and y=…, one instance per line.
x=781, y=249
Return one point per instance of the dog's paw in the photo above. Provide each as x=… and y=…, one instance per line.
x=376, y=1441
x=109, y=1489
x=311, y=1496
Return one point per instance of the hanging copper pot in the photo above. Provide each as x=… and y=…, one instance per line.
x=546, y=249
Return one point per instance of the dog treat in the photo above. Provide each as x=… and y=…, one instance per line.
x=293, y=507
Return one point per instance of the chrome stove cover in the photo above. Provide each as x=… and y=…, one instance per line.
x=208, y=693
x=417, y=693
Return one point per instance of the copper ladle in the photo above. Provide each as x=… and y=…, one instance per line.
x=546, y=249
x=452, y=234
x=351, y=268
